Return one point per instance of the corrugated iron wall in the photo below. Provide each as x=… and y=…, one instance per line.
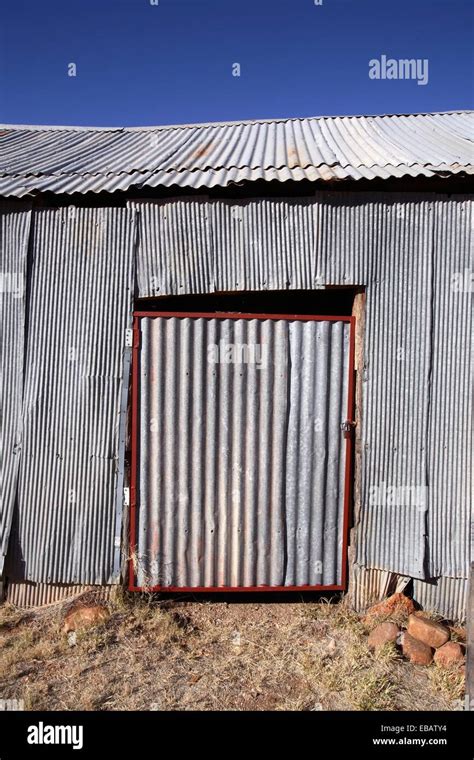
x=242, y=463
x=24, y=594
x=445, y=595
x=80, y=305
x=450, y=417
x=409, y=251
x=15, y=221
x=448, y=595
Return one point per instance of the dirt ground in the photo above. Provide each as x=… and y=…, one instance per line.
x=212, y=655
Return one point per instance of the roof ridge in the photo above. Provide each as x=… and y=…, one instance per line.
x=278, y=120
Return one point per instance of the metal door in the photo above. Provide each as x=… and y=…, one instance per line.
x=240, y=469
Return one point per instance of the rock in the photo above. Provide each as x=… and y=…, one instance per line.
x=72, y=638
x=85, y=617
x=382, y=634
x=430, y=633
x=397, y=606
x=416, y=651
x=449, y=654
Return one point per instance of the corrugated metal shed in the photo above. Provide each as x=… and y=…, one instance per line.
x=409, y=251
x=89, y=159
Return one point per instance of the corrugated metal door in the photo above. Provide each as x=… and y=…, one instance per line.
x=240, y=470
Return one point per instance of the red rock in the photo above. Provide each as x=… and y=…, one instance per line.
x=449, y=654
x=396, y=606
x=430, y=633
x=84, y=617
x=382, y=634
x=416, y=651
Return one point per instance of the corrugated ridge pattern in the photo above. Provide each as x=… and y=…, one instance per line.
x=241, y=478
x=369, y=586
x=314, y=461
x=26, y=595
x=14, y=234
x=403, y=248
x=447, y=596
x=66, y=160
x=396, y=392
x=80, y=306
x=451, y=409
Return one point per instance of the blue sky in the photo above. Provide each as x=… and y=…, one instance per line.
x=171, y=63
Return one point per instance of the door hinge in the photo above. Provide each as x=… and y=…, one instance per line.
x=129, y=337
x=136, y=336
x=126, y=497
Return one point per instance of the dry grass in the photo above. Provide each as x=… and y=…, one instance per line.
x=188, y=655
x=448, y=682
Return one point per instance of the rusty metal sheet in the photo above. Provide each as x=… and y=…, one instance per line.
x=91, y=159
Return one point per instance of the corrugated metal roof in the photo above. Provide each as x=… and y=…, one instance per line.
x=91, y=159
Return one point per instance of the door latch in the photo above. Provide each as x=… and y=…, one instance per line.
x=347, y=427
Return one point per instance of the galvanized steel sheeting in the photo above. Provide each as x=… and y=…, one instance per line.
x=404, y=248
x=445, y=595
x=80, y=159
x=14, y=234
x=450, y=523
x=396, y=392
x=79, y=308
x=26, y=595
x=368, y=586
x=314, y=464
x=241, y=465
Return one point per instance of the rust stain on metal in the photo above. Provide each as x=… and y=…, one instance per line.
x=204, y=150
x=292, y=156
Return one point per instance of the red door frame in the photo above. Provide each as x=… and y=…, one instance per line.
x=134, y=438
